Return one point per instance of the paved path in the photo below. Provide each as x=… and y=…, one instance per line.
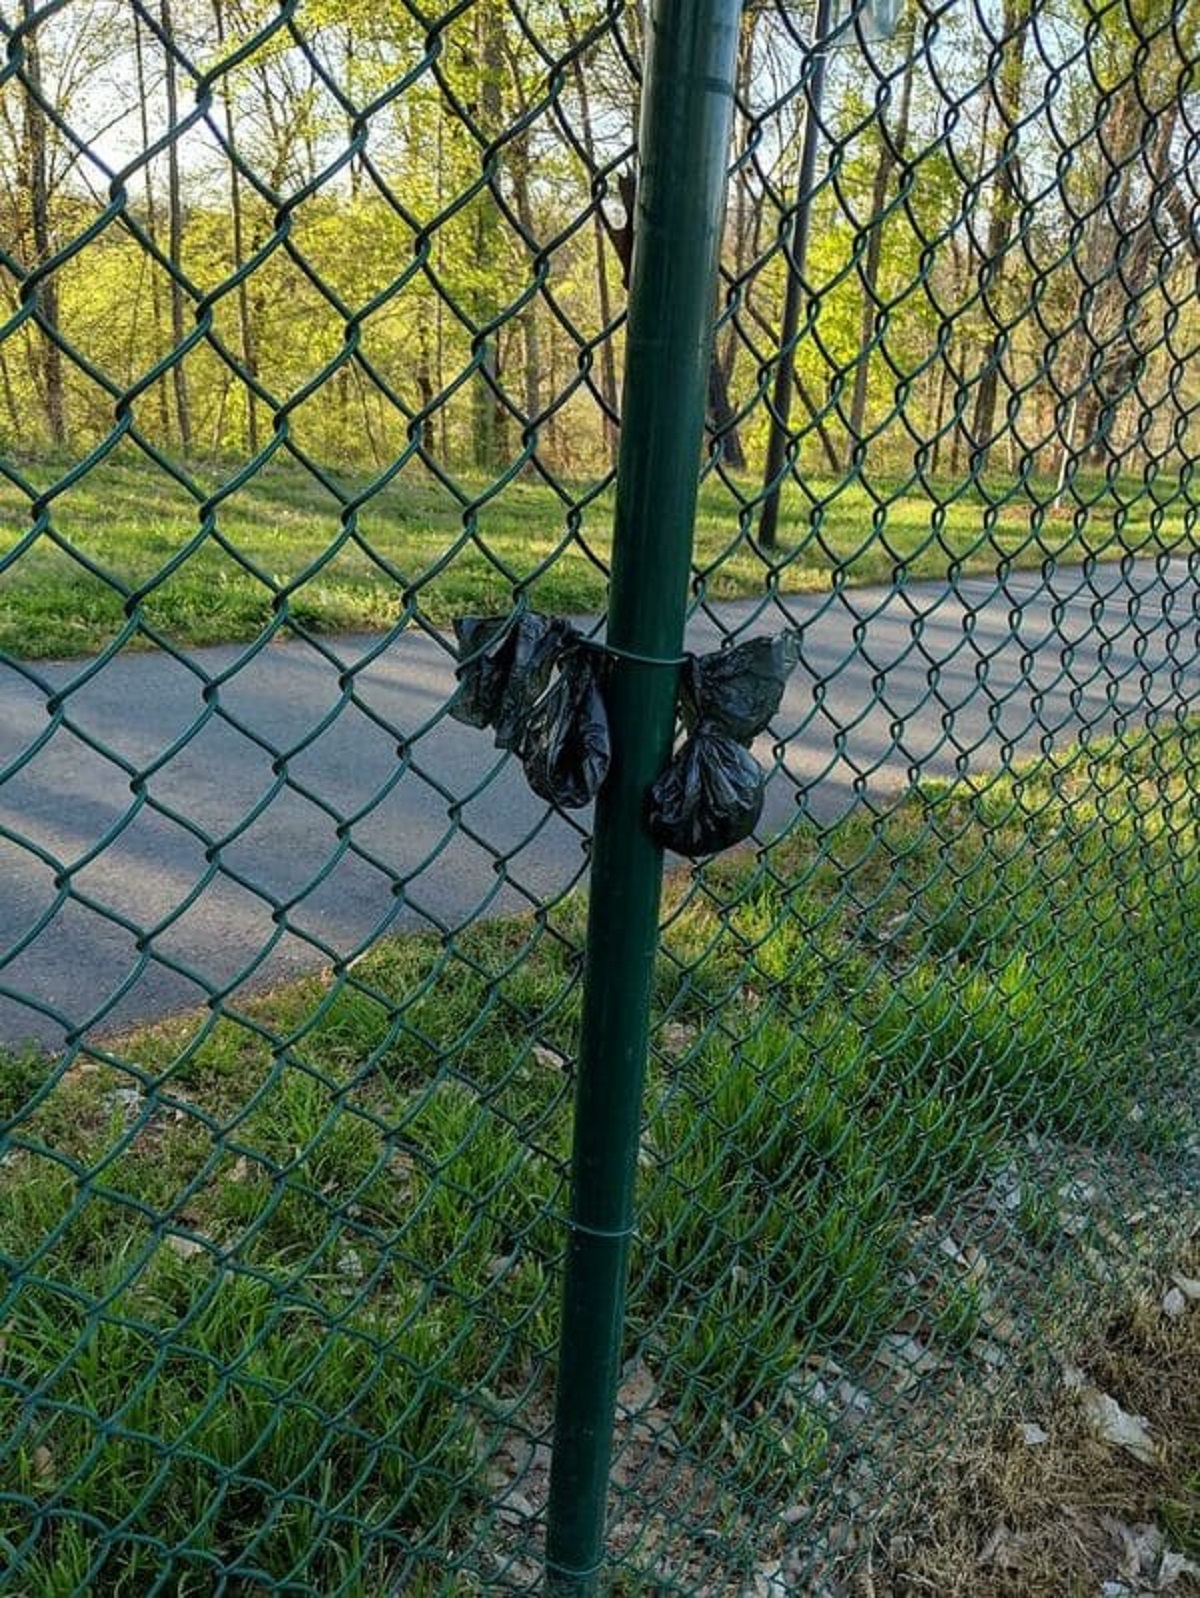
x=329, y=782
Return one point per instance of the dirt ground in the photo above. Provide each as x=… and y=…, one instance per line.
x=1047, y=1505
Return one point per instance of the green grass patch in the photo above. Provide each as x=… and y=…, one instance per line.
x=1181, y=1515
x=276, y=1286
x=126, y=552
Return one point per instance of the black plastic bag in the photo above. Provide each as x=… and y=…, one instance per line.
x=504, y=667
x=536, y=682
x=711, y=794
x=540, y=685
x=565, y=748
x=709, y=797
x=738, y=690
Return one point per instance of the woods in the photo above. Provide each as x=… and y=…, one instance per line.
x=339, y=232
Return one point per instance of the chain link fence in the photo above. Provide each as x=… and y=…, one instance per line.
x=314, y=340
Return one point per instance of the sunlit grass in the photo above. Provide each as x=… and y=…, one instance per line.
x=126, y=546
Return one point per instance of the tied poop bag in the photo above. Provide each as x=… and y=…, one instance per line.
x=538, y=683
x=535, y=680
x=711, y=794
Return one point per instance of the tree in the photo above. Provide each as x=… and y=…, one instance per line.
x=1008, y=87
x=891, y=153
x=183, y=413
x=237, y=223
x=38, y=189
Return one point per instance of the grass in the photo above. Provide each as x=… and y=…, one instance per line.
x=126, y=553
x=279, y=1286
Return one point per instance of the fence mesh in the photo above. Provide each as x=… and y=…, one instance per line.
x=312, y=341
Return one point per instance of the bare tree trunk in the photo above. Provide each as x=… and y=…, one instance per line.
x=439, y=303
x=807, y=399
x=531, y=334
x=38, y=180
x=722, y=414
x=966, y=271
x=219, y=418
x=156, y=313
x=608, y=360
x=488, y=418
x=551, y=428
x=1009, y=86
x=722, y=417
x=610, y=398
x=239, y=250
x=939, y=416
x=531, y=353
x=175, y=237
x=822, y=429
x=424, y=371
x=377, y=454
x=890, y=154
x=958, y=282
x=1141, y=216
x=355, y=168
x=10, y=398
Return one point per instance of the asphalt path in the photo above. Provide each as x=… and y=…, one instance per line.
x=172, y=830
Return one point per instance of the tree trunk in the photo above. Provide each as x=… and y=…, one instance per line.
x=488, y=417
x=156, y=312
x=943, y=384
x=1009, y=86
x=239, y=251
x=355, y=169
x=960, y=264
x=175, y=237
x=722, y=414
x=439, y=303
x=424, y=370
x=816, y=422
x=722, y=418
x=1142, y=214
x=364, y=397
x=38, y=179
x=609, y=396
x=891, y=153
x=531, y=353
x=10, y=398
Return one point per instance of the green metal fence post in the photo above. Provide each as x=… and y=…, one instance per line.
x=686, y=113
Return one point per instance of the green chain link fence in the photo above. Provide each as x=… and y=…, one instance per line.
x=313, y=339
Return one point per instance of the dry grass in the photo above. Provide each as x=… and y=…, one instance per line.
x=1013, y=1520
